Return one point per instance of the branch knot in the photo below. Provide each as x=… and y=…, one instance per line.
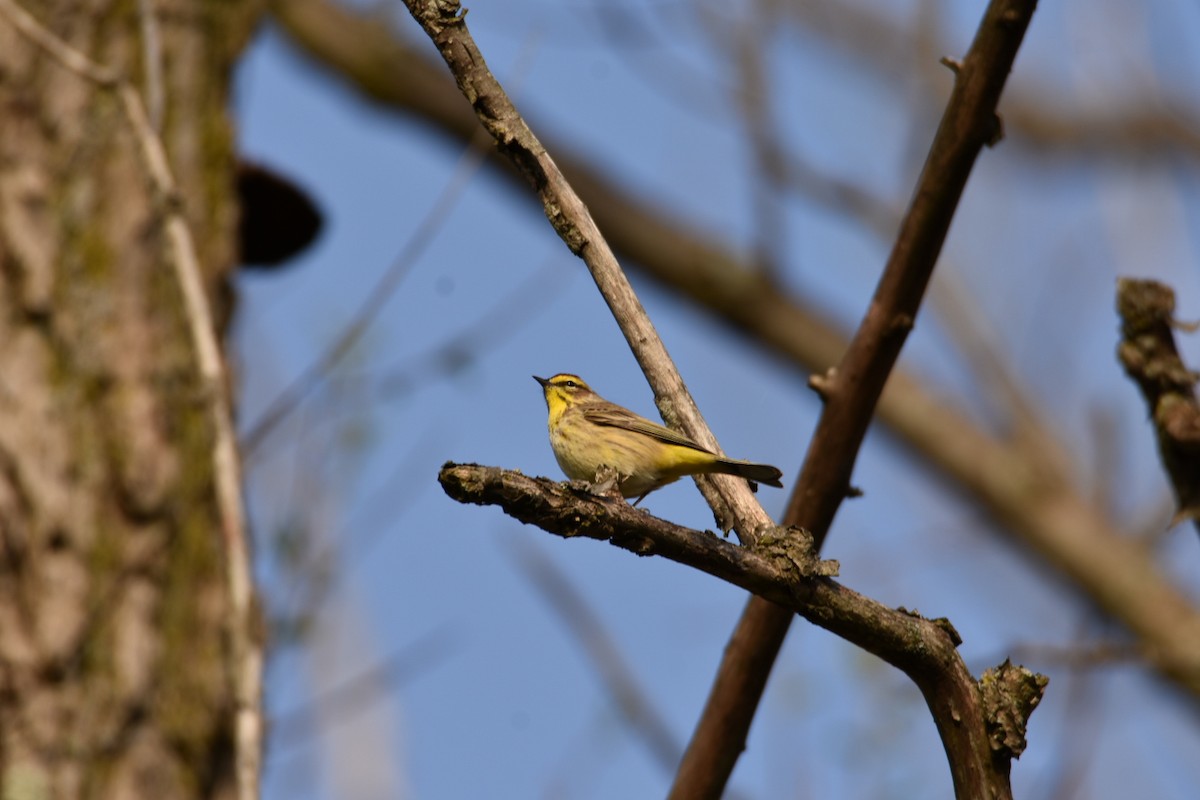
x=1010, y=694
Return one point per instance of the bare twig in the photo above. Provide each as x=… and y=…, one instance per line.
x=968, y=124
x=1082, y=656
x=1144, y=123
x=748, y=45
x=152, y=59
x=958, y=310
x=645, y=37
x=247, y=650
x=775, y=567
x=467, y=346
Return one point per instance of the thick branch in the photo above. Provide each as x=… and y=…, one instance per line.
x=981, y=724
x=1148, y=353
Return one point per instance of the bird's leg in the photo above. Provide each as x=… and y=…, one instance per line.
x=607, y=481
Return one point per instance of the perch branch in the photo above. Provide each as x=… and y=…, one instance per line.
x=981, y=723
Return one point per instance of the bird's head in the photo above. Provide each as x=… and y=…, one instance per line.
x=564, y=390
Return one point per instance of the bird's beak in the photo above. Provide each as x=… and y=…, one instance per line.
x=542, y=381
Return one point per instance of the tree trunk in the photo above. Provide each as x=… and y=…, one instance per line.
x=114, y=675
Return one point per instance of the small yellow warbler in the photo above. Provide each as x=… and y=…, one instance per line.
x=589, y=433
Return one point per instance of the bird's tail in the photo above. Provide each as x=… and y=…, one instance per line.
x=755, y=473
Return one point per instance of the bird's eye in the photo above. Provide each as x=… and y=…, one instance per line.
x=571, y=384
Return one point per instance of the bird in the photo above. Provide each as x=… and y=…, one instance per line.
x=589, y=434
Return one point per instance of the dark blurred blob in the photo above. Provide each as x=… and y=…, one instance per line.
x=279, y=220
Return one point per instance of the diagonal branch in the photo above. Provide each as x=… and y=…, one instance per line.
x=444, y=22
x=852, y=390
x=981, y=723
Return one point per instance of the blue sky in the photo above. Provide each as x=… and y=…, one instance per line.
x=494, y=697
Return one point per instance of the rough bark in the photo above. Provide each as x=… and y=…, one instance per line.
x=113, y=646
x=1148, y=353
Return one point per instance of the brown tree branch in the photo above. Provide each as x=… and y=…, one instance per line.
x=732, y=503
x=852, y=390
x=981, y=723
x=1148, y=353
x=1027, y=495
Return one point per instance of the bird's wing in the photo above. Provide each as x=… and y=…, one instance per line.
x=614, y=416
